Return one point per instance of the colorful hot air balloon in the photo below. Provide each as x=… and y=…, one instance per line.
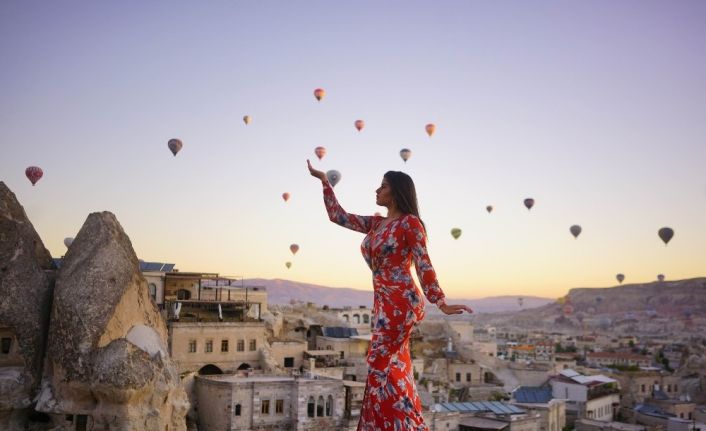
x=660, y=277
x=68, y=242
x=529, y=203
x=333, y=177
x=247, y=119
x=320, y=152
x=620, y=278
x=405, y=153
x=288, y=264
x=455, y=232
x=285, y=196
x=34, y=174
x=175, y=146
x=666, y=234
x=430, y=128
x=575, y=230
x=489, y=208
x=568, y=309
x=294, y=248
x=359, y=124
x=319, y=93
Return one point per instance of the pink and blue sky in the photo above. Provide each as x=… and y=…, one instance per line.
x=597, y=110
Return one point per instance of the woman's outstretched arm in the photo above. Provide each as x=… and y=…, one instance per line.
x=415, y=234
x=335, y=212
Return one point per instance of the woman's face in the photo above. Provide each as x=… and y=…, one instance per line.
x=383, y=195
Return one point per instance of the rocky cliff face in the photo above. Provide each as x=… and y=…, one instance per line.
x=107, y=356
x=26, y=283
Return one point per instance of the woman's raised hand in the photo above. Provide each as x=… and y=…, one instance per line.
x=454, y=309
x=316, y=173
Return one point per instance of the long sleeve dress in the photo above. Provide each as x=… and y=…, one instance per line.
x=391, y=401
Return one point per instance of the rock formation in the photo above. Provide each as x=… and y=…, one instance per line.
x=26, y=283
x=107, y=360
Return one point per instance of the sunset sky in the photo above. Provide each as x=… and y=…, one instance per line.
x=597, y=110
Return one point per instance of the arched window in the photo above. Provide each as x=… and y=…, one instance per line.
x=329, y=405
x=237, y=409
x=310, y=407
x=345, y=317
x=320, y=406
x=366, y=318
x=356, y=317
x=153, y=291
x=183, y=294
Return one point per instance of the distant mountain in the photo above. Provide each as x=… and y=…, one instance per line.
x=283, y=291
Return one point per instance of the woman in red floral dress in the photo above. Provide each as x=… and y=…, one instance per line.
x=391, y=244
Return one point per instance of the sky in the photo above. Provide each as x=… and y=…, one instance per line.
x=594, y=109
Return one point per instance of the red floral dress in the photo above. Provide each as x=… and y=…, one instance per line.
x=391, y=401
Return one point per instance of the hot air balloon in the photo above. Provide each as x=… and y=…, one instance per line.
x=288, y=264
x=68, y=242
x=319, y=93
x=520, y=301
x=568, y=309
x=405, y=153
x=455, y=232
x=666, y=233
x=333, y=177
x=320, y=152
x=660, y=277
x=620, y=278
x=285, y=196
x=430, y=128
x=34, y=174
x=359, y=124
x=294, y=248
x=247, y=119
x=529, y=203
x=489, y=208
x=175, y=146
x=575, y=230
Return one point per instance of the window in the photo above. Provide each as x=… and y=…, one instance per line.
x=192, y=346
x=6, y=345
x=329, y=347
x=237, y=409
x=310, y=407
x=468, y=377
x=366, y=318
x=345, y=317
x=642, y=388
x=209, y=346
x=320, y=406
x=183, y=294
x=676, y=388
x=81, y=422
x=224, y=345
x=279, y=406
x=356, y=317
x=153, y=291
x=253, y=345
x=343, y=354
x=265, y=407
x=669, y=388
x=458, y=377
x=241, y=345
x=288, y=362
x=329, y=405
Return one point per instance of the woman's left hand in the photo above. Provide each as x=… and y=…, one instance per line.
x=455, y=309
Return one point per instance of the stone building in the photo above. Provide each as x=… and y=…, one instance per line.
x=540, y=400
x=592, y=397
x=617, y=358
x=360, y=318
x=481, y=416
x=216, y=347
x=276, y=403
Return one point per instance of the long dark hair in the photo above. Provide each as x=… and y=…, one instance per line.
x=404, y=193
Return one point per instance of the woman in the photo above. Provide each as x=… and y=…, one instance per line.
x=391, y=401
